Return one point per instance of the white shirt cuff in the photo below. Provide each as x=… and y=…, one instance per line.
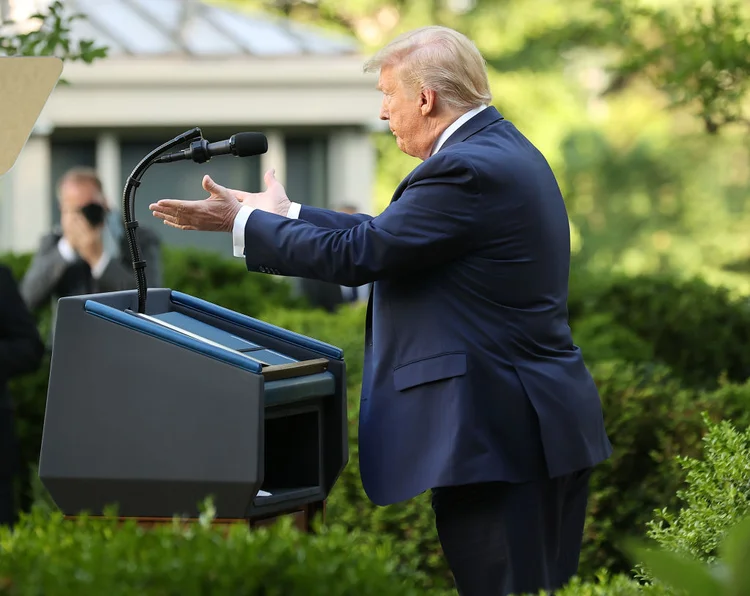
x=98, y=269
x=238, y=230
x=240, y=221
x=294, y=210
x=66, y=250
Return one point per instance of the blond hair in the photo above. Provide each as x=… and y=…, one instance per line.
x=440, y=59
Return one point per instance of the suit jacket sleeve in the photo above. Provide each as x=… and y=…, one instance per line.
x=44, y=273
x=325, y=218
x=21, y=348
x=434, y=220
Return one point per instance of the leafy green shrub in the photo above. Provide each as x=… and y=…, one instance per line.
x=716, y=498
x=225, y=282
x=606, y=584
x=696, y=329
x=651, y=419
x=18, y=263
x=729, y=576
x=601, y=339
x=48, y=555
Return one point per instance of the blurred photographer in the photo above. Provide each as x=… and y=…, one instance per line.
x=82, y=256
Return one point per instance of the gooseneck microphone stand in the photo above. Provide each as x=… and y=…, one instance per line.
x=128, y=200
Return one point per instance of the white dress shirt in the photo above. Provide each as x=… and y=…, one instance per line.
x=238, y=230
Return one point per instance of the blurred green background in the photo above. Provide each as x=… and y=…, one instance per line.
x=638, y=106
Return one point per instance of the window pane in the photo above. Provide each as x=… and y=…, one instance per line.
x=307, y=170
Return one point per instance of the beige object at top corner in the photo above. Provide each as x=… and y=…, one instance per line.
x=26, y=83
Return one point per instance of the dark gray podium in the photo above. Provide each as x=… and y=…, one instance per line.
x=155, y=412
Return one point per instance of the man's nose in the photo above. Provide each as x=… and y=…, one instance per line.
x=383, y=111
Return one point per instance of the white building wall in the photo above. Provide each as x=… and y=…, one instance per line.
x=29, y=216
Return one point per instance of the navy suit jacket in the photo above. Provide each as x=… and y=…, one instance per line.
x=470, y=371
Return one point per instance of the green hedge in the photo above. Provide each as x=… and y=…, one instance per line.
x=226, y=282
x=698, y=330
x=656, y=349
x=47, y=555
x=651, y=419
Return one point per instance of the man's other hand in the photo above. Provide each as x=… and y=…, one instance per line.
x=83, y=238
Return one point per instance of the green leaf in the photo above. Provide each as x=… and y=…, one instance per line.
x=736, y=555
x=678, y=572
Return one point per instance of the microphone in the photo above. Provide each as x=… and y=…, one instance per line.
x=242, y=144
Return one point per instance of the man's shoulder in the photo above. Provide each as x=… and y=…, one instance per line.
x=501, y=151
x=49, y=241
x=441, y=164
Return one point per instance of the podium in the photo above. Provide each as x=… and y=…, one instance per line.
x=154, y=412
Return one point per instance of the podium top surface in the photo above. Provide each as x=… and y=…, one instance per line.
x=218, y=333
x=27, y=83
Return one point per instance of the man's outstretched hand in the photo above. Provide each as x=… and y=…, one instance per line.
x=214, y=214
x=218, y=212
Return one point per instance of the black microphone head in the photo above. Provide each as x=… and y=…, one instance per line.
x=249, y=143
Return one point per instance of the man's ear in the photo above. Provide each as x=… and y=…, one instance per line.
x=427, y=100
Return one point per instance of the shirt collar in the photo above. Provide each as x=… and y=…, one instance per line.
x=454, y=127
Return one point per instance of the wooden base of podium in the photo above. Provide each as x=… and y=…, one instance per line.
x=302, y=517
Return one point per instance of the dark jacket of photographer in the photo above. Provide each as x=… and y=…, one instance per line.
x=50, y=276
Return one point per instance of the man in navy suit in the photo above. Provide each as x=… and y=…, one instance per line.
x=473, y=387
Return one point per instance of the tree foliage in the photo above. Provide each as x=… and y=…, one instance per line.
x=698, y=54
x=49, y=35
